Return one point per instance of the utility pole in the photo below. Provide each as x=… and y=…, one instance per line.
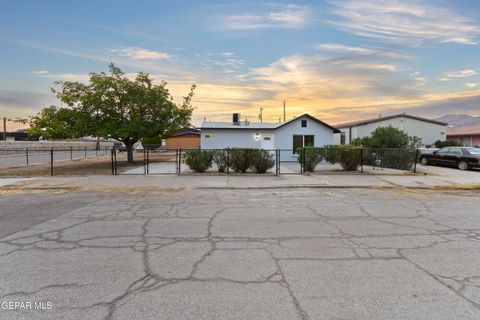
x=261, y=115
x=4, y=128
x=284, y=112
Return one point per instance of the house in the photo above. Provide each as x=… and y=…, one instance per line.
x=466, y=136
x=187, y=138
x=296, y=133
x=428, y=130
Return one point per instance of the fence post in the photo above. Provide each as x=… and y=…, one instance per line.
x=415, y=164
x=51, y=162
x=179, y=161
x=361, y=160
x=228, y=161
x=302, y=166
x=176, y=160
x=26, y=154
x=276, y=162
x=71, y=153
x=113, y=166
x=145, y=161
x=279, y=160
x=115, y=160
x=148, y=162
x=85, y=152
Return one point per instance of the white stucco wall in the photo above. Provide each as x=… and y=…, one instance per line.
x=283, y=137
x=231, y=138
x=427, y=131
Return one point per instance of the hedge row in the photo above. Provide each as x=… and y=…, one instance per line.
x=239, y=160
x=350, y=157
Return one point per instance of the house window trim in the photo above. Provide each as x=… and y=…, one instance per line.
x=303, y=141
x=343, y=137
x=211, y=136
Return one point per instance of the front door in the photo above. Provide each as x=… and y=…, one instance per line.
x=268, y=142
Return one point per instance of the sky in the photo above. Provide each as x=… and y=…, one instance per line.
x=338, y=60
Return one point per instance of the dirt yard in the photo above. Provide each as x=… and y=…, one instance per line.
x=100, y=165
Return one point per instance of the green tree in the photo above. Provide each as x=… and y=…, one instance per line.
x=113, y=106
x=388, y=137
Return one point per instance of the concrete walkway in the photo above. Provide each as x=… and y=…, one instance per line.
x=435, y=177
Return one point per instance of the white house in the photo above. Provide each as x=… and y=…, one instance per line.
x=296, y=133
x=428, y=130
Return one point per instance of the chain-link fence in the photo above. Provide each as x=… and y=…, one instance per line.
x=55, y=161
x=155, y=160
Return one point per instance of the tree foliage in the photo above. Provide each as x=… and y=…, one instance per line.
x=446, y=143
x=113, y=106
x=388, y=137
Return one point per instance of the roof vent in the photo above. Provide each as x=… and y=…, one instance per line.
x=236, y=119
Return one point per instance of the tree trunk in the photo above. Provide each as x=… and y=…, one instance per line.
x=129, y=145
x=97, y=145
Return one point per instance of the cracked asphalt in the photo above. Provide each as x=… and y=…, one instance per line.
x=242, y=254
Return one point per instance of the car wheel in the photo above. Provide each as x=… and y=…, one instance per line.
x=424, y=161
x=462, y=165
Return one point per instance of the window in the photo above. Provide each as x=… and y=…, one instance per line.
x=304, y=123
x=267, y=138
x=342, y=137
x=210, y=136
x=308, y=141
x=301, y=141
x=297, y=142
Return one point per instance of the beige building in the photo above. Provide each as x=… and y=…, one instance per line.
x=428, y=130
x=188, y=138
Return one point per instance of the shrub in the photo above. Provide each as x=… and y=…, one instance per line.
x=447, y=143
x=312, y=156
x=241, y=159
x=220, y=158
x=400, y=159
x=262, y=161
x=348, y=157
x=199, y=160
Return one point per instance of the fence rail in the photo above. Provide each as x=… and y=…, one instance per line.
x=152, y=160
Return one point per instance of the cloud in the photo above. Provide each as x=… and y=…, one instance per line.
x=224, y=62
x=341, y=48
x=283, y=16
x=472, y=84
x=40, y=72
x=139, y=64
x=140, y=53
x=407, y=22
x=458, y=74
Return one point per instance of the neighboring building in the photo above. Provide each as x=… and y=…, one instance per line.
x=19, y=135
x=466, y=136
x=288, y=136
x=188, y=138
x=428, y=130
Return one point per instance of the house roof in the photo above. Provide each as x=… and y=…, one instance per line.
x=402, y=115
x=261, y=125
x=464, y=131
x=187, y=131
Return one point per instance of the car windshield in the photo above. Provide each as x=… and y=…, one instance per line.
x=473, y=151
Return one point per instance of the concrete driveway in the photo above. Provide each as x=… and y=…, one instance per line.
x=241, y=254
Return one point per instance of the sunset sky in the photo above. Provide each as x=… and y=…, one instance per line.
x=337, y=60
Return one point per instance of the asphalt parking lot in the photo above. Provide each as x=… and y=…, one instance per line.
x=241, y=254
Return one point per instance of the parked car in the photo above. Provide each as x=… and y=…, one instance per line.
x=461, y=157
